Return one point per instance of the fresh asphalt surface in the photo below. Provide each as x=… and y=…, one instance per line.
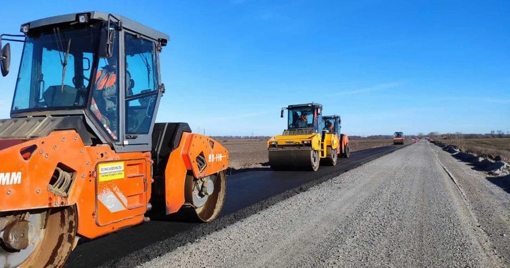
x=247, y=192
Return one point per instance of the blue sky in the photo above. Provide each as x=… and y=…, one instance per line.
x=384, y=66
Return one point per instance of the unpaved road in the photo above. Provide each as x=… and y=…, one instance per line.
x=401, y=210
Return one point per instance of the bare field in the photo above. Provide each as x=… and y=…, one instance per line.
x=490, y=147
x=252, y=153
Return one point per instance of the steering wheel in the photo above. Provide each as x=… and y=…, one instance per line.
x=84, y=78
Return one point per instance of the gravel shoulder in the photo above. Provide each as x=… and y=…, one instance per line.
x=399, y=210
x=488, y=203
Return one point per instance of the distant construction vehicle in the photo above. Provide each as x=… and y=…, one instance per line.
x=81, y=154
x=303, y=145
x=398, y=138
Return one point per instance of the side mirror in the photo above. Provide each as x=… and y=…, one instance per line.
x=6, y=59
x=319, y=110
x=281, y=114
x=106, y=43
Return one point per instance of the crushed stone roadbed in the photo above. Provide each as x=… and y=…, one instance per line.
x=405, y=209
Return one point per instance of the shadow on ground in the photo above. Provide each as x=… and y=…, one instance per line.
x=503, y=182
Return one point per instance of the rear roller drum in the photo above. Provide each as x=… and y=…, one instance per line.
x=206, y=196
x=42, y=238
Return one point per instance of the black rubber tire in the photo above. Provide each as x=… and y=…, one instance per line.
x=347, y=151
x=331, y=157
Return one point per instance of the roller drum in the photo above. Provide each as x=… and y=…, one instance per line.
x=294, y=158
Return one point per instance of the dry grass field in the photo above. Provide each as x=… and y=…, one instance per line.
x=491, y=147
x=252, y=153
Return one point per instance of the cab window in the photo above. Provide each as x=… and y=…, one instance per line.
x=141, y=83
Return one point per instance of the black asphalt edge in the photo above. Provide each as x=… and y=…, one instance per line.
x=160, y=248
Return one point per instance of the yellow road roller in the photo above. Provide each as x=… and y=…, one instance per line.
x=305, y=143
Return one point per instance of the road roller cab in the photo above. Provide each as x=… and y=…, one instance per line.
x=332, y=124
x=398, y=138
x=303, y=144
x=82, y=155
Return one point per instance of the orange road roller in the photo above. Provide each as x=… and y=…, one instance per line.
x=82, y=153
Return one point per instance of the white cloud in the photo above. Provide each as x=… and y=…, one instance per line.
x=370, y=89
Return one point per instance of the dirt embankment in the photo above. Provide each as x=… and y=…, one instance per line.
x=483, y=160
x=491, y=148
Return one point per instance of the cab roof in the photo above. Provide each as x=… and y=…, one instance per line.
x=304, y=105
x=330, y=116
x=100, y=16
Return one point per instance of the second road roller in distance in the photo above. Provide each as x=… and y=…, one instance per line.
x=332, y=123
x=305, y=143
x=398, y=138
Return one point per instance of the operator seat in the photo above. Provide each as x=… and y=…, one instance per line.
x=56, y=96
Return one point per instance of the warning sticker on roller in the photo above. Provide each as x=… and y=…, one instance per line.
x=111, y=171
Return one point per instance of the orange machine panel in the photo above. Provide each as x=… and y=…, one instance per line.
x=205, y=156
x=43, y=172
x=121, y=190
x=175, y=176
x=116, y=192
x=197, y=153
x=345, y=140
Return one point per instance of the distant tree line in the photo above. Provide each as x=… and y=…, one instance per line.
x=494, y=134
x=371, y=137
x=240, y=137
x=355, y=137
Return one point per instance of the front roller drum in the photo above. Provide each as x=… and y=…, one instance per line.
x=294, y=159
x=205, y=196
x=42, y=238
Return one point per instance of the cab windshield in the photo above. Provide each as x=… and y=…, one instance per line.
x=56, y=69
x=329, y=124
x=301, y=117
